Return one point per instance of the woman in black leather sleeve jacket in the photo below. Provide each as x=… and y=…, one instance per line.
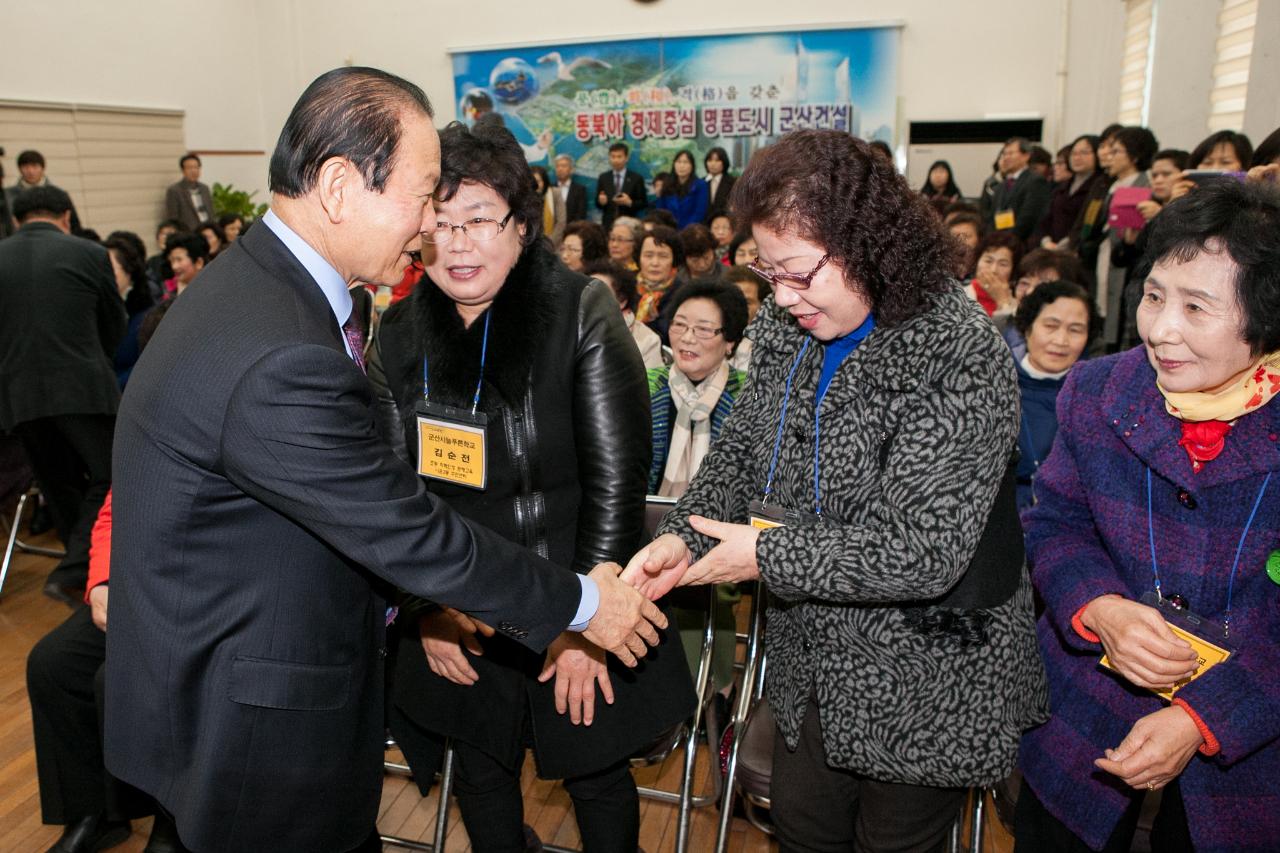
x=499, y=327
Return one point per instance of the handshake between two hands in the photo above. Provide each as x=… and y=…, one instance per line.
x=625, y=624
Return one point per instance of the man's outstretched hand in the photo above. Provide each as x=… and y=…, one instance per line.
x=658, y=567
x=625, y=621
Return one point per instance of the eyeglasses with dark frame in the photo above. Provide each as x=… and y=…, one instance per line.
x=478, y=229
x=796, y=281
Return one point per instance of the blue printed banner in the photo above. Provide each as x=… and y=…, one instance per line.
x=665, y=95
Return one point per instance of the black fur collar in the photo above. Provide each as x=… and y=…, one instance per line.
x=519, y=318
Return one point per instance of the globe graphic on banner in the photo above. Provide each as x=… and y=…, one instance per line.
x=513, y=81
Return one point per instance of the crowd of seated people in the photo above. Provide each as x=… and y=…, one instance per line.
x=1069, y=256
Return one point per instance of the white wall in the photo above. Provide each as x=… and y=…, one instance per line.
x=236, y=66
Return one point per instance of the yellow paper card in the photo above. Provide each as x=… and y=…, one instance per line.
x=451, y=452
x=1208, y=656
x=1004, y=220
x=764, y=523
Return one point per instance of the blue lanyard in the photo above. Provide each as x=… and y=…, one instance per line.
x=817, y=433
x=484, y=351
x=782, y=419
x=1231, y=581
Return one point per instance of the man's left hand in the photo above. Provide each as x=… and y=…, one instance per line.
x=1155, y=751
x=733, y=560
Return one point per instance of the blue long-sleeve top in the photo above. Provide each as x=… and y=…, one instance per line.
x=690, y=207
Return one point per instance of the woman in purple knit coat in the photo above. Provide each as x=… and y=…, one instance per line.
x=1159, y=485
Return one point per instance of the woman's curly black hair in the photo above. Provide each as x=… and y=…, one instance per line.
x=832, y=189
x=488, y=154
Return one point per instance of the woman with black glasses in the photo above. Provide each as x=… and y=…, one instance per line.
x=514, y=386
x=878, y=509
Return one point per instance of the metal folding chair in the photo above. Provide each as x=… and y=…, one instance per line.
x=15, y=543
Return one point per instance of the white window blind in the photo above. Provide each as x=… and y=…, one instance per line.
x=1234, y=48
x=1135, y=67
x=114, y=161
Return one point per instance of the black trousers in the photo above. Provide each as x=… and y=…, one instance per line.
x=71, y=456
x=1035, y=830
x=64, y=682
x=817, y=808
x=605, y=804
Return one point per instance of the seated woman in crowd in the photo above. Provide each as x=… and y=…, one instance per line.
x=564, y=478
x=1056, y=320
x=940, y=186
x=690, y=400
x=1036, y=268
x=659, y=256
x=624, y=234
x=966, y=228
x=699, y=254
x=232, y=224
x=755, y=290
x=214, y=236
x=722, y=229
x=1069, y=197
x=878, y=431
x=685, y=195
x=583, y=243
x=742, y=250
x=1155, y=506
x=622, y=282
x=130, y=272
x=991, y=287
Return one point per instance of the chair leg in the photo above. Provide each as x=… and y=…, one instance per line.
x=13, y=538
x=747, y=692
x=442, y=812
x=978, y=820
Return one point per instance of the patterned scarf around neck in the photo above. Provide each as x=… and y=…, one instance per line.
x=1207, y=417
x=650, y=296
x=691, y=432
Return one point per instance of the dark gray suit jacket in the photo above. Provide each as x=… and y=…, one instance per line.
x=258, y=521
x=177, y=204
x=61, y=319
x=1028, y=198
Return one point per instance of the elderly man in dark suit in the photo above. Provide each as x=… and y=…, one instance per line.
x=189, y=201
x=619, y=191
x=1022, y=197
x=260, y=523
x=61, y=319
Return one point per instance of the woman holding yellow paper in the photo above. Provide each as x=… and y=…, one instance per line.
x=1157, y=514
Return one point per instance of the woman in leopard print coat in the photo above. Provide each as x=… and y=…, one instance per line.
x=902, y=658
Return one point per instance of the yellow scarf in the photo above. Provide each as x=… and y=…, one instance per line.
x=1253, y=390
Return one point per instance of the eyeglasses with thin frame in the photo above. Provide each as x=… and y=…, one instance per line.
x=703, y=333
x=478, y=229
x=796, y=281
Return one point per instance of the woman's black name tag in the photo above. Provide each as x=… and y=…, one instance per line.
x=765, y=516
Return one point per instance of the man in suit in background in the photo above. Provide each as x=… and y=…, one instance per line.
x=1021, y=199
x=619, y=192
x=574, y=195
x=189, y=201
x=31, y=166
x=260, y=522
x=61, y=319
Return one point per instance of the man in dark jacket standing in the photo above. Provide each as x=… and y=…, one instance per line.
x=61, y=319
x=189, y=201
x=260, y=523
x=1022, y=198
